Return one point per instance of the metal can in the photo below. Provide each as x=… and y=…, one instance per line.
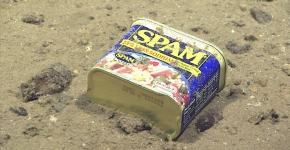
x=160, y=74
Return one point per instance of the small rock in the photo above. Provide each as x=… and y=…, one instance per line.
x=133, y=125
x=231, y=64
x=237, y=49
x=121, y=28
x=250, y=38
x=31, y=131
x=33, y=18
x=207, y=120
x=237, y=81
x=234, y=92
x=91, y=17
x=286, y=69
x=269, y=114
x=199, y=29
x=260, y=16
x=50, y=81
x=21, y=112
x=45, y=44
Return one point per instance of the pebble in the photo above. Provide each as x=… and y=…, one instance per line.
x=236, y=48
x=237, y=81
x=286, y=69
x=31, y=131
x=51, y=80
x=250, y=38
x=33, y=18
x=269, y=114
x=231, y=64
x=260, y=16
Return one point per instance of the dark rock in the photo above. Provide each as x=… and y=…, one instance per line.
x=91, y=17
x=21, y=112
x=237, y=49
x=133, y=125
x=50, y=81
x=33, y=18
x=31, y=131
x=250, y=38
x=231, y=64
x=121, y=28
x=199, y=29
x=260, y=16
x=7, y=137
x=207, y=120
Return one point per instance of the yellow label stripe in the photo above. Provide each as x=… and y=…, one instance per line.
x=155, y=54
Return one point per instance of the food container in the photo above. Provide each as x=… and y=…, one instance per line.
x=160, y=74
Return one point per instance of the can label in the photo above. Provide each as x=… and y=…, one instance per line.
x=183, y=71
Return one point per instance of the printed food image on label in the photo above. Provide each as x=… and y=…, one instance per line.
x=148, y=72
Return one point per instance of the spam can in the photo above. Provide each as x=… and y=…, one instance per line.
x=160, y=74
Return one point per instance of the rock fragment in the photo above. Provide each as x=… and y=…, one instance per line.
x=33, y=18
x=207, y=120
x=234, y=92
x=250, y=38
x=20, y=111
x=260, y=16
x=31, y=131
x=286, y=69
x=133, y=125
x=50, y=81
x=269, y=114
x=231, y=64
x=236, y=48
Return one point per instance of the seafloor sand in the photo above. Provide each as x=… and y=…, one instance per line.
x=35, y=34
